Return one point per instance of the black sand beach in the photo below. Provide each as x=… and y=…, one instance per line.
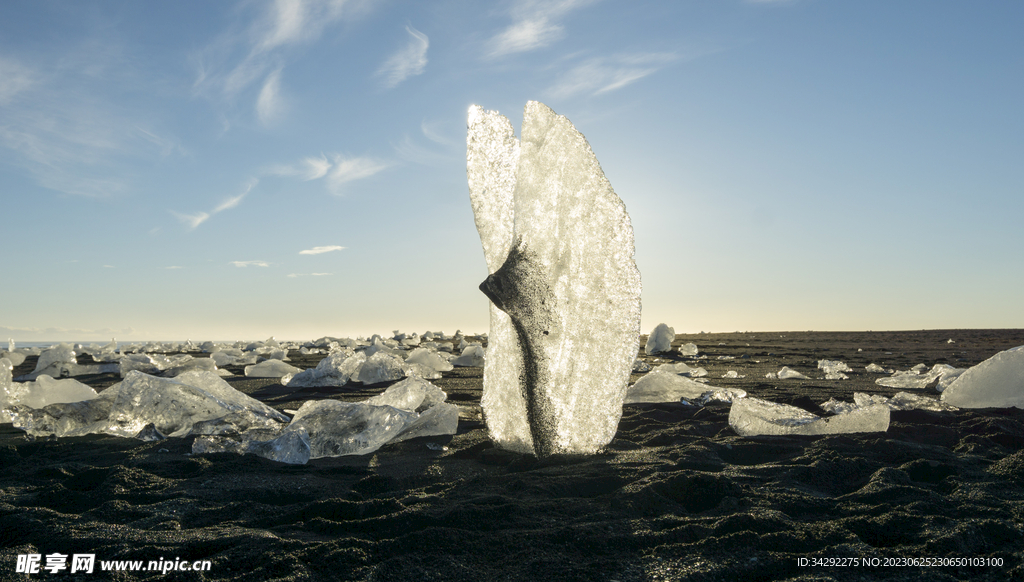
x=676, y=496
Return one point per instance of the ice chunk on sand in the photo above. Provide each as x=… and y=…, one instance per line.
x=689, y=350
x=412, y=394
x=876, y=369
x=440, y=419
x=721, y=395
x=15, y=358
x=290, y=447
x=61, y=353
x=270, y=369
x=471, y=356
x=998, y=382
x=901, y=401
x=789, y=374
x=641, y=366
x=348, y=428
x=682, y=369
x=663, y=386
x=559, y=247
x=733, y=374
x=45, y=390
x=753, y=417
x=335, y=370
x=834, y=369
x=660, y=340
x=913, y=378
x=380, y=367
x=174, y=405
x=428, y=358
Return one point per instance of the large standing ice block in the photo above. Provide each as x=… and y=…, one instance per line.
x=559, y=247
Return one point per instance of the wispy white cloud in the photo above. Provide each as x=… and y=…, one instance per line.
x=349, y=169
x=250, y=49
x=431, y=132
x=605, y=74
x=250, y=263
x=14, y=79
x=268, y=104
x=336, y=169
x=65, y=133
x=194, y=220
x=109, y=267
x=408, y=149
x=321, y=250
x=535, y=25
x=408, y=61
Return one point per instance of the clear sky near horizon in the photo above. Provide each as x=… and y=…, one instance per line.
x=237, y=170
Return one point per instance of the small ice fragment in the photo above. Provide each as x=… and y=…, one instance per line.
x=428, y=358
x=789, y=374
x=660, y=340
x=270, y=369
x=641, y=366
x=436, y=447
x=771, y=375
x=149, y=433
x=733, y=374
x=875, y=369
x=998, y=382
x=726, y=358
x=753, y=416
x=290, y=447
x=919, y=368
x=726, y=395
x=472, y=355
x=950, y=341
x=682, y=369
x=661, y=386
x=688, y=350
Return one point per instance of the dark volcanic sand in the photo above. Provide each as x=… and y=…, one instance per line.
x=676, y=496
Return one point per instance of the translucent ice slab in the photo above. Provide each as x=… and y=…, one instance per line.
x=753, y=417
x=998, y=382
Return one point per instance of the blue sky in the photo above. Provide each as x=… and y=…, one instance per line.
x=217, y=170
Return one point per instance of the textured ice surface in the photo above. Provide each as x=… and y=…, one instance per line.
x=559, y=247
x=733, y=374
x=875, y=369
x=721, y=395
x=788, y=374
x=472, y=356
x=998, y=382
x=270, y=369
x=641, y=366
x=380, y=367
x=753, y=416
x=660, y=340
x=663, y=386
x=688, y=350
